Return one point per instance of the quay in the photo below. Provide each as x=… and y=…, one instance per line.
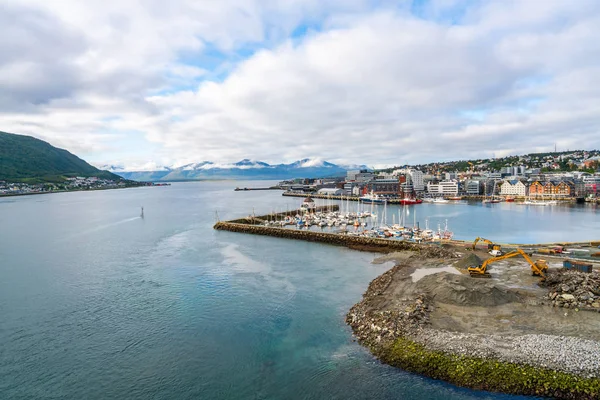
x=399, y=201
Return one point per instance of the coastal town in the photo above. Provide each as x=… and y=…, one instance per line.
x=70, y=184
x=567, y=176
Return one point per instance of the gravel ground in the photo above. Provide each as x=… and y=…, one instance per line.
x=567, y=354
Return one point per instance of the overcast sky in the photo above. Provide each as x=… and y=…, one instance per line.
x=349, y=81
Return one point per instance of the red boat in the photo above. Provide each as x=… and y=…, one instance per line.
x=408, y=201
x=509, y=199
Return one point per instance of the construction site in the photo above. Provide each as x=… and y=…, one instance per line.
x=519, y=319
x=488, y=316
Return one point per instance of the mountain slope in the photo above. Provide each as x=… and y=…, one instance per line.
x=25, y=158
x=244, y=169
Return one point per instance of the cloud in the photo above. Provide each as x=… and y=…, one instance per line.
x=389, y=84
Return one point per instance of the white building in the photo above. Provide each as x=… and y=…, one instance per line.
x=331, y=192
x=443, y=188
x=308, y=204
x=473, y=187
x=513, y=188
x=416, y=177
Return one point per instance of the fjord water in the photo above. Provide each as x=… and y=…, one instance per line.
x=99, y=303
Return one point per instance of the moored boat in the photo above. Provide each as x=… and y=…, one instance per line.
x=410, y=201
x=372, y=198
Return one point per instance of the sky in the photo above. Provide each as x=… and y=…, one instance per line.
x=377, y=82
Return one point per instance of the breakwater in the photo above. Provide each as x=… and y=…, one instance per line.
x=358, y=242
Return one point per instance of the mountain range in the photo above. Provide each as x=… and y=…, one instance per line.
x=27, y=159
x=244, y=169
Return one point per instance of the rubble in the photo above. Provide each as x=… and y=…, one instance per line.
x=574, y=290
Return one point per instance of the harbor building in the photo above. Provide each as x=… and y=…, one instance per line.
x=513, y=188
x=473, y=187
x=388, y=187
x=331, y=192
x=443, y=188
x=416, y=178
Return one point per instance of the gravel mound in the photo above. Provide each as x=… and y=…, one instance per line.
x=567, y=354
x=464, y=290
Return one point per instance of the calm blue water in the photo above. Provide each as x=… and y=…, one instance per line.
x=98, y=303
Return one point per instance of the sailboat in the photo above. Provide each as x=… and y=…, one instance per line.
x=492, y=198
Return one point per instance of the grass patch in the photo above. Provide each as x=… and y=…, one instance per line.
x=490, y=375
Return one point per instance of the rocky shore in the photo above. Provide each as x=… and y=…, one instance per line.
x=397, y=321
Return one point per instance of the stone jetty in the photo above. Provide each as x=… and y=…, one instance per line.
x=251, y=226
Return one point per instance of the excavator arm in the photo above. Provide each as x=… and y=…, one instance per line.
x=482, y=240
x=538, y=268
x=495, y=249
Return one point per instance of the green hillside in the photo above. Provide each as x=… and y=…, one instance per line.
x=27, y=159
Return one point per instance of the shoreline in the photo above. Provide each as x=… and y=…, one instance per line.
x=67, y=191
x=402, y=324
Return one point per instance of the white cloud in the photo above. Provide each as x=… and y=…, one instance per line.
x=372, y=86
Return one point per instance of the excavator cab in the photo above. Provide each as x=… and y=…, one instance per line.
x=493, y=248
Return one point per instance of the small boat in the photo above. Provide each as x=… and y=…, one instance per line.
x=535, y=203
x=454, y=198
x=440, y=200
x=510, y=199
x=491, y=200
x=410, y=201
x=372, y=198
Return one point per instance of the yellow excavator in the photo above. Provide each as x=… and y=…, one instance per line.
x=538, y=268
x=494, y=249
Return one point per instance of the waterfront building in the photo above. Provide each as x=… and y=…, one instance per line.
x=591, y=184
x=473, y=187
x=389, y=187
x=443, y=188
x=536, y=189
x=331, y=192
x=416, y=178
x=513, y=188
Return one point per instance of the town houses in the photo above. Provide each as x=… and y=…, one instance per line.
x=572, y=175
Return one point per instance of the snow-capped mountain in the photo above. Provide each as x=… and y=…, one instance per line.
x=244, y=169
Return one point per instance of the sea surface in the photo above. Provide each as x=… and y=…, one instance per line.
x=97, y=302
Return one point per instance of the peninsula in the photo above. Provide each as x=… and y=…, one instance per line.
x=32, y=166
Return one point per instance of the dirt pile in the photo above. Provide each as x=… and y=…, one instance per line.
x=427, y=252
x=466, y=291
x=573, y=289
x=470, y=260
